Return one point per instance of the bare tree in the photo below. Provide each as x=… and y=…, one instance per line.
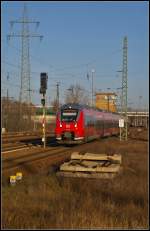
x=76, y=94
x=13, y=120
x=55, y=105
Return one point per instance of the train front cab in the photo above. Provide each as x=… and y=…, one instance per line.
x=69, y=126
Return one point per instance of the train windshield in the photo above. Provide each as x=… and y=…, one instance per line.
x=69, y=115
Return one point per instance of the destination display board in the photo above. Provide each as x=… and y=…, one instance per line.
x=69, y=113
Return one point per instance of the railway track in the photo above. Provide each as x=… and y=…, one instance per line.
x=19, y=134
x=14, y=146
x=36, y=155
x=53, y=155
x=9, y=134
x=21, y=142
x=21, y=147
x=23, y=137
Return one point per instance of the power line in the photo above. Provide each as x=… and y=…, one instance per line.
x=18, y=86
x=86, y=64
x=10, y=84
x=68, y=75
x=17, y=66
x=69, y=67
x=11, y=64
x=35, y=58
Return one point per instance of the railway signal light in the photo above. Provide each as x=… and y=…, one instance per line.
x=43, y=87
x=43, y=102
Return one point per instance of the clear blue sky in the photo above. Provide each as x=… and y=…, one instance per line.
x=77, y=34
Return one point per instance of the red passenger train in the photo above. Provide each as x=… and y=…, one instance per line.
x=77, y=123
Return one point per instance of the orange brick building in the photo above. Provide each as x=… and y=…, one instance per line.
x=106, y=101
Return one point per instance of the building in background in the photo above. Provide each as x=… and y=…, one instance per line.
x=106, y=101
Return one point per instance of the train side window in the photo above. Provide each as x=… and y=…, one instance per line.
x=87, y=120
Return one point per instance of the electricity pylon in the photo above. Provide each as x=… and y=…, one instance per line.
x=25, y=95
x=25, y=88
x=124, y=90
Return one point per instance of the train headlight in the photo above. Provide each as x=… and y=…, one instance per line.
x=60, y=125
x=75, y=125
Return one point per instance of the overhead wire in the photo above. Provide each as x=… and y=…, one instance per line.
x=57, y=70
x=20, y=51
x=18, y=86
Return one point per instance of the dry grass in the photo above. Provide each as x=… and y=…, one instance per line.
x=44, y=202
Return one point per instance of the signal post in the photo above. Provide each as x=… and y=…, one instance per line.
x=121, y=126
x=43, y=87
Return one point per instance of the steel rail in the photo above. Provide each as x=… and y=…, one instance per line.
x=36, y=156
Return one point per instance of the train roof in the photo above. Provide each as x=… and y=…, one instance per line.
x=82, y=106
